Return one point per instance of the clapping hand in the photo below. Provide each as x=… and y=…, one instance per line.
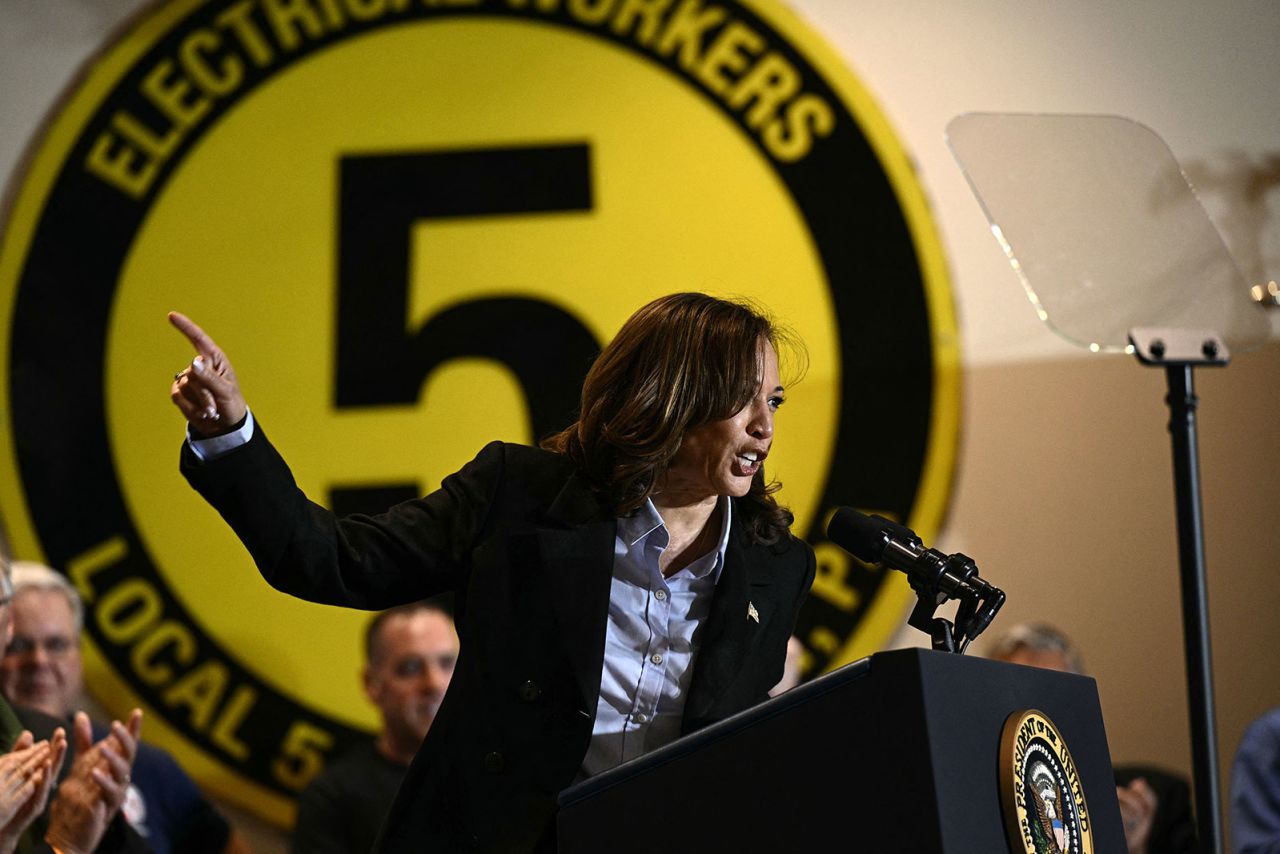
x=95, y=786
x=27, y=773
x=1138, y=804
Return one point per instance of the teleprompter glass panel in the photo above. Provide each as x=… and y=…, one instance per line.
x=1101, y=225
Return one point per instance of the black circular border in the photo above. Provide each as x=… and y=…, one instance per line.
x=86, y=229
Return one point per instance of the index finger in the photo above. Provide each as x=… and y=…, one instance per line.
x=59, y=752
x=199, y=339
x=83, y=733
x=134, y=724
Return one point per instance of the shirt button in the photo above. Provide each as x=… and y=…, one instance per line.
x=656, y=658
x=661, y=595
x=640, y=718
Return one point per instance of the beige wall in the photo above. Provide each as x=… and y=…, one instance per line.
x=1065, y=497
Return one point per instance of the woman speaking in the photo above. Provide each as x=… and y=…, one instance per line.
x=628, y=582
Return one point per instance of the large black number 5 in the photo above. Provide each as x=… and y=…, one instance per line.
x=380, y=361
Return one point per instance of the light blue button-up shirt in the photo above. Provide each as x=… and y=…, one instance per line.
x=651, y=641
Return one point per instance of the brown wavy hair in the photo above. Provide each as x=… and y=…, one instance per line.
x=679, y=362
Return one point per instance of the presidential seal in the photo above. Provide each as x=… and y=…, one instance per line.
x=1041, y=792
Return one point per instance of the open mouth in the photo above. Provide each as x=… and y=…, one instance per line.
x=750, y=461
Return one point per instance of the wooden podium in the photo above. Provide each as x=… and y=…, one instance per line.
x=899, y=752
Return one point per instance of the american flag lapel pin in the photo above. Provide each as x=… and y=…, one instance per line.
x=752, y=613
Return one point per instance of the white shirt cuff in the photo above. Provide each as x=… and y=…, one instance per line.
x=217, y=446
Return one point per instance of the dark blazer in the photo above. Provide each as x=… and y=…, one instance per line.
x=527, y=549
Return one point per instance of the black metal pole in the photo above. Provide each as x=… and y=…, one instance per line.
x=1195, y=604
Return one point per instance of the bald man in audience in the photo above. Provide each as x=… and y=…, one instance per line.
x=410, y=653
x=41, y=669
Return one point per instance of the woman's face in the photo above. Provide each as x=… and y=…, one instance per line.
x=721, y=457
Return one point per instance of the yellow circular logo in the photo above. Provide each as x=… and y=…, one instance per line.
x=1041, y=792
x=412, y=225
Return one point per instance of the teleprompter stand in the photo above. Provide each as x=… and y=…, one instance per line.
x=1116, y=254
x=1179, y=352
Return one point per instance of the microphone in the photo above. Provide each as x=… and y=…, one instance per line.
x=936, y=577
x=875, y=539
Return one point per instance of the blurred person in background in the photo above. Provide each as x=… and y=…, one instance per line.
x=41, y=668
x=410, y=652
x=59, y=795
x=1255, y=788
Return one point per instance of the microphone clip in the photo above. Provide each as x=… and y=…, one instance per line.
x=935, y=577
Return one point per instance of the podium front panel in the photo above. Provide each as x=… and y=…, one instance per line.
x=898, y=752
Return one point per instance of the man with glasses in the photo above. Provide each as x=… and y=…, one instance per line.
x=41, y=669
x=61, y=794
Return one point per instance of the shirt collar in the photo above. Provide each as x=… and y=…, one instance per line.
x=640, y=523
x=645, y=520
